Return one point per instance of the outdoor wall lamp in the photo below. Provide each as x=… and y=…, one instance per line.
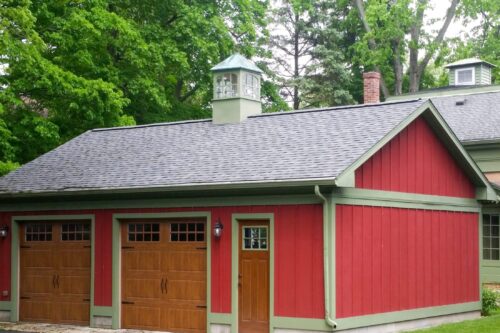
x=4, y=231
x=218, y=228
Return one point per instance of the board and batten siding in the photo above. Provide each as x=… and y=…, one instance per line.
x=415, y=161
x=394, y=259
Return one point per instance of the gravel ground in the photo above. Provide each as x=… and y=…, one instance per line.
x=52, y=328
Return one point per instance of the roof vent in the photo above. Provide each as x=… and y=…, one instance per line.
x=461, y=102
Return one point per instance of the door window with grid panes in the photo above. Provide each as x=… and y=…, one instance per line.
x=491, y=236
x=255, y=238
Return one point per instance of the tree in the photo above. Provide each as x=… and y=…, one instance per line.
x=394, y=32
x=70, y=66
x=311, y=70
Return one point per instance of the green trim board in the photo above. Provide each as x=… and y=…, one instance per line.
x=285, y=199
x=15, y=275
x=219, y=318
x=103, y=311
x=5, y=306
x=402, y=197
x=391, y=317
x=308, y=324
x=116, y=250
x=235, y=219
x=364, y=197
x=434, y=118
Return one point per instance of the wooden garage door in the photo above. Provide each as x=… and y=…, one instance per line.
x=55, y=272
x=164, y=275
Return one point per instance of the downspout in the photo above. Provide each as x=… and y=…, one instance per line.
x=326, y=262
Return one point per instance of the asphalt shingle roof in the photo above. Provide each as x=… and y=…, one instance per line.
x=478, y=119
x=312, y=144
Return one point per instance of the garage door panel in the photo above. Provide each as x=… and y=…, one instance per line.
x=187, y=290
x=74, y=285
x=142, y=260
x=74, y=312
x=37, y=258
x=186, y=320
x=187, y=261
x=142, y=288
x=36, y=310
x=40, y=284
x=67, y=259
x=141, y=317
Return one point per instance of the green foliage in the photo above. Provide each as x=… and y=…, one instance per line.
x=490, y=302
x=69, y=66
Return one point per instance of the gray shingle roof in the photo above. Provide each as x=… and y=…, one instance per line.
x=313, y=144
x=477, y=119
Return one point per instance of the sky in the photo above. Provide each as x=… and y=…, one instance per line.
x=456, y=27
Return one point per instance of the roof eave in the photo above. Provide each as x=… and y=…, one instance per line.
x=287, y=183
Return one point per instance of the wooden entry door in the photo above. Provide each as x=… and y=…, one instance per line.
x=164, y=275
x=253, y=275
x=55, y=272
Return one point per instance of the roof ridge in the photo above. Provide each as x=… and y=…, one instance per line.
x=340, y=107
x=179, y=122
x=270, y=114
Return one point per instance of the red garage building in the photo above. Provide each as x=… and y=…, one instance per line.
x=319, y=220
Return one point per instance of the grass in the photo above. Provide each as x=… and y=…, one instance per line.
x=489, y=324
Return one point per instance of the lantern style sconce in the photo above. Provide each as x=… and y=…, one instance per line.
x=4, y=231
x=218, y=228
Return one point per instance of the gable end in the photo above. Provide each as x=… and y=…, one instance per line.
x=415, y=161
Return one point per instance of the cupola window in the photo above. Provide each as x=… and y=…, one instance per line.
x=464, y=76
x=251, y=86
x=226, y=85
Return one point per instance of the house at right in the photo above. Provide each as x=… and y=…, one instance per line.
x=470, y=104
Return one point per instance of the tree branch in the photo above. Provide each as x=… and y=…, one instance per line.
x=450, y=14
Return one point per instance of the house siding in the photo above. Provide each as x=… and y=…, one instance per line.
x=394, y=259
x=415, y=161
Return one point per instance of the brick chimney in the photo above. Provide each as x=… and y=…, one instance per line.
x=371, y=87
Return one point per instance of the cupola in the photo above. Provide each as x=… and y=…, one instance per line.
x=236, y=83
x=470, y=72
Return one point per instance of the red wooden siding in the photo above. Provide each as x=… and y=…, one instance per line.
x=298, y=266
x=393, y=259
x=103, y=259
x=415, y=161
x=298, y=256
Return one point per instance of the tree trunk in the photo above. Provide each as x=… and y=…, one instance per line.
x=296, y=55
x=398, y=68
x=372, y=44
x=417, y=69
x=415, y=30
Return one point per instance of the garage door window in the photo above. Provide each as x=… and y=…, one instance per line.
x=39, y=232
x=144, y=232
x=75, y=231
x=187, y=232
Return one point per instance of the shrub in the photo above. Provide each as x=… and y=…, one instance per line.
x=490, y=299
